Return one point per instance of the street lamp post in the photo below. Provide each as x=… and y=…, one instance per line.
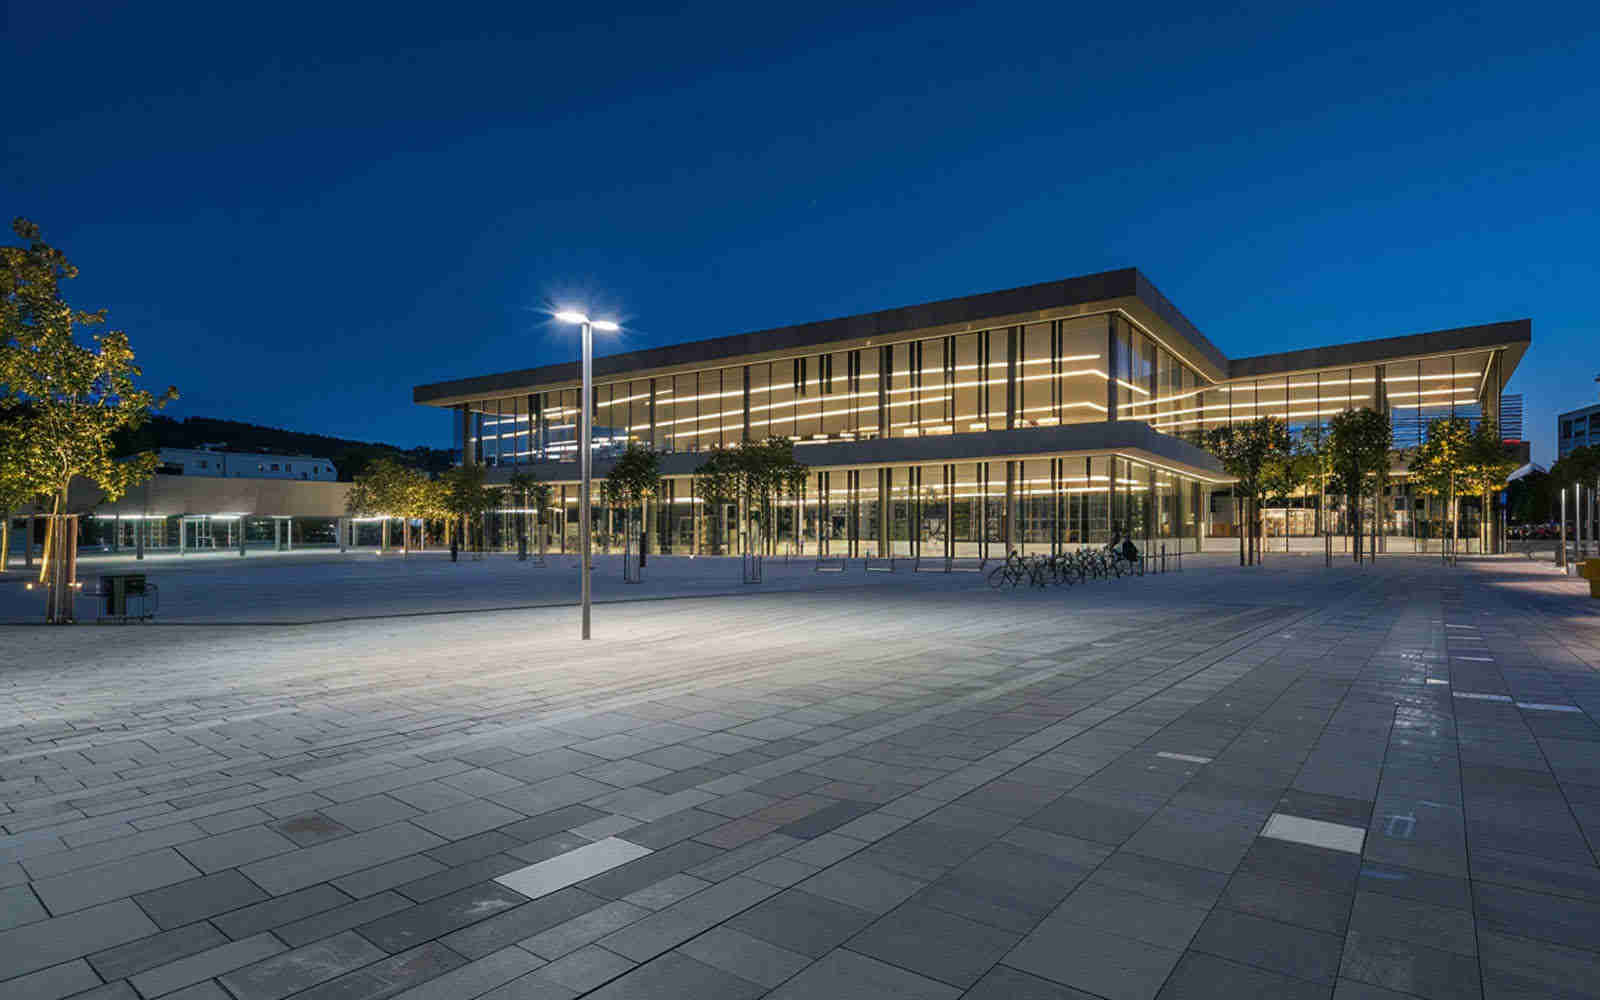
x=585, y=520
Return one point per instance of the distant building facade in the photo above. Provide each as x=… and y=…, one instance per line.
x=1578, y=428
x=220, y=464
x=1511, y=417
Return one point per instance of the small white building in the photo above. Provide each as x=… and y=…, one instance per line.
x=244, y=465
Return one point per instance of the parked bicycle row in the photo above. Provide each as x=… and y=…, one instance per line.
x=1068, y=568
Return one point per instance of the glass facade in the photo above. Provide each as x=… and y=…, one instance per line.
x=960, y=510
x=1082, y=369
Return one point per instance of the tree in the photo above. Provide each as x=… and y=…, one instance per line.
x=768, y=470
x=634, y=479
x=66, y=402
x=465, y=494
x=1358, y=456
x=15, y=494
x=1437, y=466
x=535, y=494
x=388, y=489
x=717, y=483
x=1283, y=474
x=1488, y=467
x=1246, y=450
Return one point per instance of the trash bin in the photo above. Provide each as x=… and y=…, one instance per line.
x=1589, y=569
x=119, y=591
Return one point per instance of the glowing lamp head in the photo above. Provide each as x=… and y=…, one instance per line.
x=606, y=326
x=569, y=316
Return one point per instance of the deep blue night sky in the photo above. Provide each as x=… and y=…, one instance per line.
x=300, y=212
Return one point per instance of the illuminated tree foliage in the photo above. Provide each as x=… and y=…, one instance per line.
x=63, y=400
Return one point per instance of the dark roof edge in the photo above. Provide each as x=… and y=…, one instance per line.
x=1106, y=285
x=1163, y=307
x=1517, y=331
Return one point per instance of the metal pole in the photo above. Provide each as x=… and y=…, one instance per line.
x=1561, y=553
x=583, y=453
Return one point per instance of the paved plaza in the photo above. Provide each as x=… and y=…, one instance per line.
x=1289, y=782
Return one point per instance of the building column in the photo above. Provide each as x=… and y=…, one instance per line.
x=183, y=534
x=116, y=533
x=339, y=533
x=288, y=534
x=27, y=545
x=241, y=521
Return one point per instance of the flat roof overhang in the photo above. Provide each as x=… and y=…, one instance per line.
x=1130, y=439
x=1126, y=291
x=1511, y=336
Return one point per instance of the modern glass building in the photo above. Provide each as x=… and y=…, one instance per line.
x=1036, y=418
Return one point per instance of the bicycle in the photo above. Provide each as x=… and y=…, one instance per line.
x=1011, y=572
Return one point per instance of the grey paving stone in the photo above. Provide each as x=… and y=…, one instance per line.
x=1294, y=951
x=1142, y=918
x=1005, y=983
x=87, y=887
x=388, y=875
x=744, y=956
x=18, y=906
x=1408, y=967
x=522, y=922
x=573, y=934
x=551, y=793
x=302, y=968
x=671, y=829
x=629, y=878
x=674, y=975
x=205, y=965
x=467, y=819
x=370, y=812
x=115, y=991
x=232, y=820
x=668, y=928
x=157, y=949
x=310, y=828
x=472, y=848
x=339, y=918
x=1106, y=965
x=393, y=975
x=50, y=942
x=325, y=862
x=825, y=819
x=1206, y=977
x=585, y=969
x=862, y=886
x=666, y=892
x=230, y=850
x=69, y=979
x=144, y=842
x=451, y=879
x=847, y=976
x=935, y=943
x=426, y=921
x=199, y=898
x=802, y=923
x=477, y=978
x=551, y=822
x=274, y=913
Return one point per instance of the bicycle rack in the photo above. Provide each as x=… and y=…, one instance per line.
x=967, y=569
x=866, y=564
x=829, y=564
x=943, y=565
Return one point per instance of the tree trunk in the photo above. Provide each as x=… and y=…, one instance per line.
x=1239, y=523
x=1354, y=527
x=5, y=542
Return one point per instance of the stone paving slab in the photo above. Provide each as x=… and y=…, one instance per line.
x=1282, y=782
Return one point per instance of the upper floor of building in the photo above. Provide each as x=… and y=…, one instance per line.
x=244, y=465
x=1578, y=428
x=1100, y=348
